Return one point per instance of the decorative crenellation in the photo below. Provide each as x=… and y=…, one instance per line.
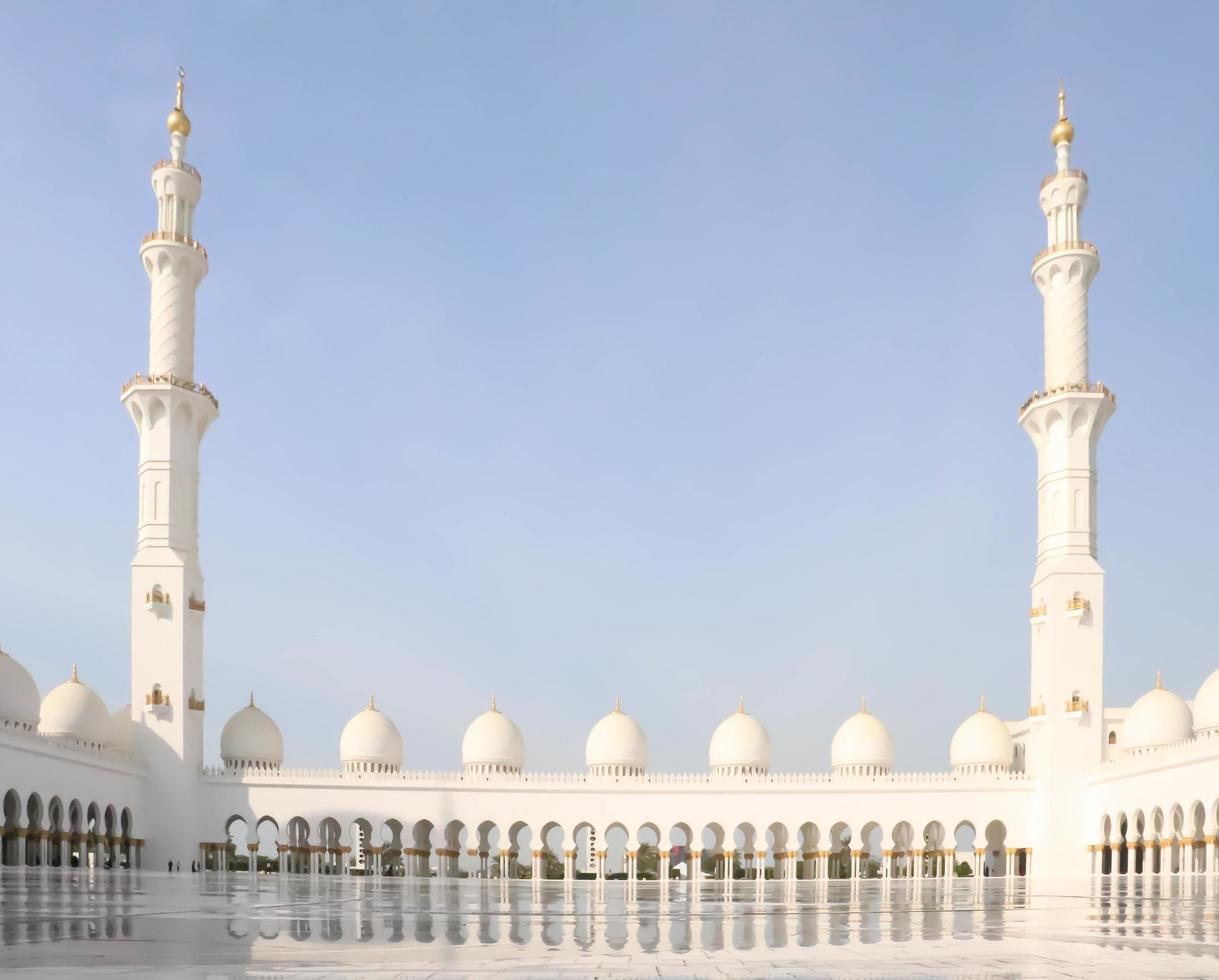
x=458, y=779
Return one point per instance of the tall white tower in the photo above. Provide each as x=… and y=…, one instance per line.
x=1065, y=422
x=171, y=412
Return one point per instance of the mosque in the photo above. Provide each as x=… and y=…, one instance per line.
x=1076, y=786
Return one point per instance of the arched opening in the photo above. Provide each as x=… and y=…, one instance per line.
x=964, y=860
x=267, y=855
x=839, y=860
x=237, y=838
x=996, y=849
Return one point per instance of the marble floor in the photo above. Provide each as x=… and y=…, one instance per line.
x=116, y=923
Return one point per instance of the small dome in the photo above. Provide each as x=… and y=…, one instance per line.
x=1063, y=132
x=1206, y=706
x=981, y=743
x=740, y=745
x=862, y=746
x=616, y=746
x=1159, y=717
x=251, y=740
x=370, y=742
x=73, y=711
x=18, y=696
x=493, y=743
x=122, y=730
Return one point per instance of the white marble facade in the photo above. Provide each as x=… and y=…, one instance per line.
x=1074, y=787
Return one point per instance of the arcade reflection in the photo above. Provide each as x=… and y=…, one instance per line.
x=583, y=918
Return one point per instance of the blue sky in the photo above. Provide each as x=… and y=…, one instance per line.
x=573, y=350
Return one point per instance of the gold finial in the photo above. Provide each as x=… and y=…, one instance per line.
x=617, y=705
x=1063, y=131
x=740, y=706
x=372, y=704
x=863, y=706
x=982, y=703
x=251, y=699
x=493, y=707
x=1159, y=685
x=178, y=122
x=75, y=679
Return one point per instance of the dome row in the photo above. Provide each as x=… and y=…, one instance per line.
x=616, y=746
x=71, y=712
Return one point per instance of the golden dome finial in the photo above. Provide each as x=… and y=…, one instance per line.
x=76, y=680
x=178, y=122
x=1159, y=683
x=740, y=706
x=372, y=703
x=493, y=707
x=982, y=703
x=863, y=706
x=617, y=705
x=251, y=699
x=1063, y=131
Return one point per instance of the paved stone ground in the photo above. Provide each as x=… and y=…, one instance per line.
x=117, y=924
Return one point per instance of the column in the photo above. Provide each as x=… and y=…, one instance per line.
x=1165, y=859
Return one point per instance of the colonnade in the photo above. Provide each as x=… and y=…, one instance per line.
x=34, y=847
x=1154, y=857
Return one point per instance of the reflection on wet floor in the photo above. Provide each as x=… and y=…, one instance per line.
x=234, y=920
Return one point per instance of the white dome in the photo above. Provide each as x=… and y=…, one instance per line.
x=862, y=746
x=981, y=743
x=73, y=711
x=122, y=730
x=18, y=696
x=740, y=744
x=493, y=743
x=370, y=742
x=616, y=746
x=1159, y=717
x=1206, y=705
x=251, y=740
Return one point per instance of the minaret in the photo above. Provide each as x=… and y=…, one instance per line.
x=171, y=412
x=1067, y=610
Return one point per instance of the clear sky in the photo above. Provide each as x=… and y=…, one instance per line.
x=572, y=350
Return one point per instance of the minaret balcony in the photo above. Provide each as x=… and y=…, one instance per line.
x=1038, y=614
x=1077, y=705
x=170, y=379
x=196, y=605
x=156, y=703
x=1037, y=711
x=1060, y=247
x=1070, y=387
x=177, y=165
x=173, y=236
x=1078, y=607
x=158, y=603
x=1050, y=178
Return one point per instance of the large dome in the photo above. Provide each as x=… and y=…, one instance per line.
x=18, y=696
x=616, y=746
x=862, y=746
x=981, y=743
x=73, y=711
x=492, y=743
x=370, y=742
x=1159, y=717
x=251, y=740
x=1206, y=706
x=740, y=745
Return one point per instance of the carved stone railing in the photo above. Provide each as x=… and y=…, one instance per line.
x=173, y=236
x=1083, y=386
x=169, y=379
